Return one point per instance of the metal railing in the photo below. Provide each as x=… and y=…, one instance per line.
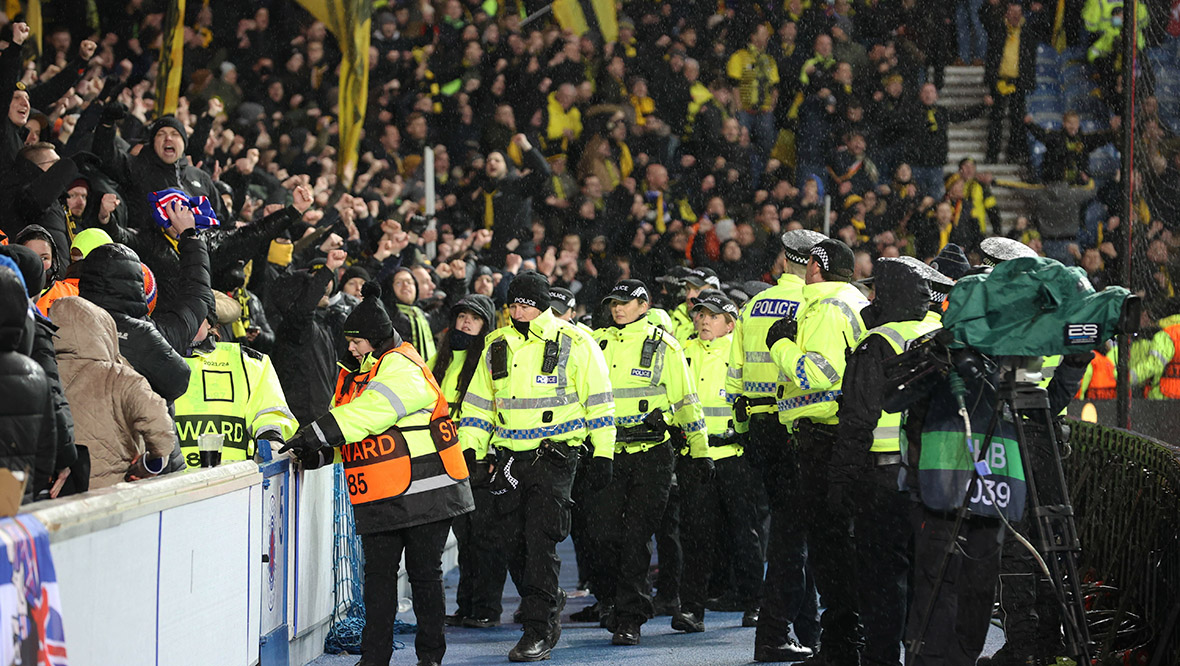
x=1125, y=489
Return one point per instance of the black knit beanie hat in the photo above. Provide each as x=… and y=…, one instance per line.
x=369, y=319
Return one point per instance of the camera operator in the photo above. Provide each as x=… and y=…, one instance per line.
x=810, y=353
x=1030, y=613
x=866, y=456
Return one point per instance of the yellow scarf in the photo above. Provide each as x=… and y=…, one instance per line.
x=489, y=211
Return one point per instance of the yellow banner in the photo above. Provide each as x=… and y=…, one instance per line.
x=171, y=59
x=580, y=16
x=351, y=22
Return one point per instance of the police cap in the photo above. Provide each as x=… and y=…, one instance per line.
x=951, y=262
x=835, y=258
x=997, y=249
x=716, y=302
x=797, y=244
x=703, y=277
x=940, y=285
x=561, y=300
x=628, y=290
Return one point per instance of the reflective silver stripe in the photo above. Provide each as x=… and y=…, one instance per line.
x=887, y=432
x=315, y=427
x=563, y=357
x=430, y=483
x=599, y=399
x=758, y=357
x=639, y=392
x=274, y=410
x=723, y=412
x=389, y=395
x=1160, y=356
x=733, y=373
x=258, y=434
x=894, y=337
x=690, y=399
x=479, y=402
x=536, y=403
x=848, y=314
x=823, y=365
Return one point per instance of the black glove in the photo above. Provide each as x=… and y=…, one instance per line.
x=113, y=113
x=599, y=472
x=477, y=471
x=705, y=469
x=314, y=458
x=785, y=328
x=304, y=440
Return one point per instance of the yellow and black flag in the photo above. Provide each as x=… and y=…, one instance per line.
x=582, y=16
x=351, y=22
x=171, y=59
x=28, y=11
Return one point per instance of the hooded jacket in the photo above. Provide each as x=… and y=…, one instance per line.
x=117, y=414
x=902, y=294
x=113, y=280
x=40, y=344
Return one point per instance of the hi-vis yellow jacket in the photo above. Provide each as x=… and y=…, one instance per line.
x=517, y=408
x=707, y=361
x=752, y=372
x=662, y=384
x=813, y=364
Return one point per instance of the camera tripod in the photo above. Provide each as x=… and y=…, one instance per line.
x=1055, y=537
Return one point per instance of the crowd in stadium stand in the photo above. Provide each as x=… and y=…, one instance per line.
x=695, y=139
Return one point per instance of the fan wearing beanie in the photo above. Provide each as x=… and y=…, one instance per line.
x=540, y=390
x=406, y=476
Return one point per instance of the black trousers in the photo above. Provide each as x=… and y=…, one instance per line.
x=423, y=547
x=532, y=517
x=669, y=552
x=1012, y=107
x=883, y=532
x=626, y=515
x=580, y=515
x=957, y=628
x=482, y=566
x=723, y=509
x=788, y=592
x=832, y=552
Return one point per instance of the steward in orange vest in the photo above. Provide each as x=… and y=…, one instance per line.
x=1099, y=382
x=405, y=472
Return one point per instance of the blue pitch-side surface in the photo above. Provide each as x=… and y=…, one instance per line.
x=725, y=641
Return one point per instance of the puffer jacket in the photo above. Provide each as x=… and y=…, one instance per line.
x=116, y=413
x=113, y=280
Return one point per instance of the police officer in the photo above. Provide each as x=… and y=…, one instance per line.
x=565, y=306
x=652, y=391
x=233, y=391
x=721, y=514
x=810, y=351
x=866, y=457
x=696, y=280
x=542, y=389
x=788, y=595
x=669, y=296
x=939, y=286
x=406, y=475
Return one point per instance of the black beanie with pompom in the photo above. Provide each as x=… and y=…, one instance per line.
x=369, y=320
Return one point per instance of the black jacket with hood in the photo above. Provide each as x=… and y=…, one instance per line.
x=27, y=427
x=903, y=294
x=113, y=280
x=306, y=349
x=30, y=196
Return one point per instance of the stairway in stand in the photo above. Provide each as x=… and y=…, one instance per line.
x=964, y=87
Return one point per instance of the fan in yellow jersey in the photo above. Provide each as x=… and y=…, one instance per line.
x=233, y=391
x=541, y=389
x=725, y=507
x=652, y=391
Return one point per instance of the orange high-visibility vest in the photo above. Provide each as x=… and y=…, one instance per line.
x=382, y=466
x=1170, y=383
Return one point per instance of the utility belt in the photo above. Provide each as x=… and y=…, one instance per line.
x=652, y=429
x=810, y=430
x=885, y=459
x=728, y=439
x=742, y=406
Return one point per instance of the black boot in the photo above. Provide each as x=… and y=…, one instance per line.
x=587, y=614
x=750, y=618
x=532, y=646
x=789, y=651
x=627, y=633
x=688, y=622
